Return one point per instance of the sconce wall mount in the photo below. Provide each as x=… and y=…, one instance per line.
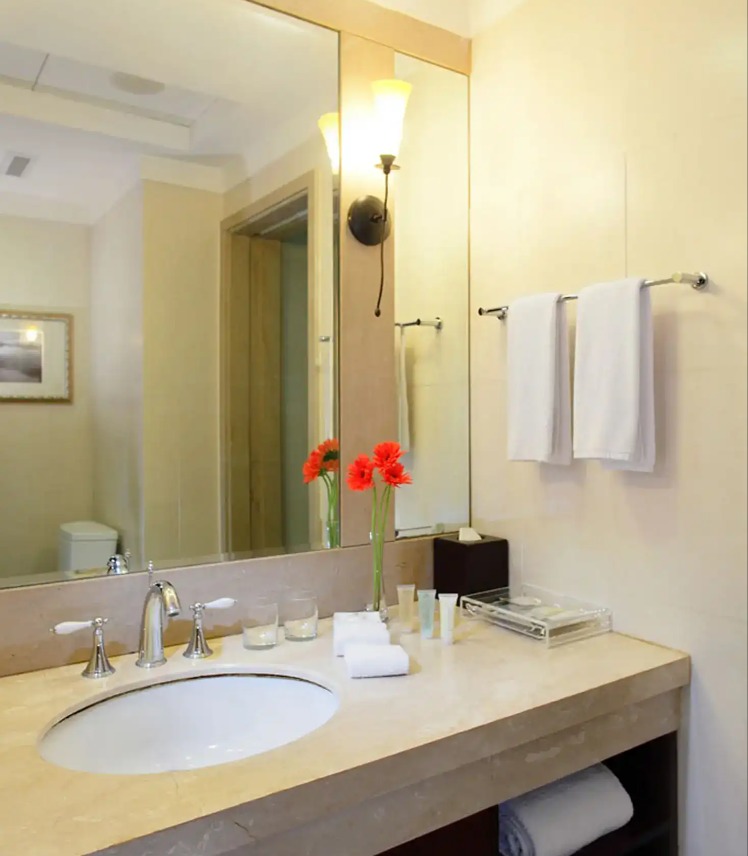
x=366, y=220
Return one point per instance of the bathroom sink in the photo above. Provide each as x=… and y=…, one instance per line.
x=188, y=723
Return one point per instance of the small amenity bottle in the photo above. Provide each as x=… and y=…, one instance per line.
x=426, y=606
x=406, y=606
x=447, y=610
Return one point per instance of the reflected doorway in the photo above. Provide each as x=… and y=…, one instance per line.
x=278, y=379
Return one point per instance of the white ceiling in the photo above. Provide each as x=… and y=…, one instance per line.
x=465, y=17
x=242, y=83
x=42, y=72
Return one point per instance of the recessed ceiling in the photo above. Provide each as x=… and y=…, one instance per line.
x=40, y=72
x=241, y=84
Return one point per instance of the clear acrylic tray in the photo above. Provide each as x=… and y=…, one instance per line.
x=538, y=613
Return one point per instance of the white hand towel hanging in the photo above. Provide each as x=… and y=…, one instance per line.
x=614, y=376
x=403, y=406
x=538, y=393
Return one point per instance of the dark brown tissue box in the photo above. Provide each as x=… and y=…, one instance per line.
x=467, y=567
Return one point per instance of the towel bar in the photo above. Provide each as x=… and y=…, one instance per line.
x=699, y=281
x=436, y=322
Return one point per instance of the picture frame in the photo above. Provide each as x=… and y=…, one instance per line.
x=36, y=357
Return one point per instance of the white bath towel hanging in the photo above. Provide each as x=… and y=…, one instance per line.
x=538, y=383
x=403, y=406
x=614, y=376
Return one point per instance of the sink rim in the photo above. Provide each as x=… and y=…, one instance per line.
x=201, y=671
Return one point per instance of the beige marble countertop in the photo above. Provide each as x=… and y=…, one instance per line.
x=492, y=690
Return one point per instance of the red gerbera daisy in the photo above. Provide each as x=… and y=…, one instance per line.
x=312, y=466
x=387, y=453
x=330, y=452
x=361, y=473
x=394, y=475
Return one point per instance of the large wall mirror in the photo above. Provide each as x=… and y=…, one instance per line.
x=168, y=268
x=432, y=385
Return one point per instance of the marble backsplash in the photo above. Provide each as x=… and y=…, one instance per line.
x=341, y=579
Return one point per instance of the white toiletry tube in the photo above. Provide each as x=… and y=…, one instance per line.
x=447, y=609
x=406, y=606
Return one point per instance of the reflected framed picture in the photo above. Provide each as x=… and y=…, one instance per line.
x=36, y=357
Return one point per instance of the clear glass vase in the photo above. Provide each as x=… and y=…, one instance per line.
x=331, y=535
x=378, y=600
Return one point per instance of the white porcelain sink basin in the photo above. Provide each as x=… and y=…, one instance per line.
x=188, y=723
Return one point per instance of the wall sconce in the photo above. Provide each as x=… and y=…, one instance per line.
x=329, y=125
x=368, y=218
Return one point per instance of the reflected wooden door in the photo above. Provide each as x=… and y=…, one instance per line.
x=254, y=394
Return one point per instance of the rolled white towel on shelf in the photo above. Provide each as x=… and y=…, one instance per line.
x=563, y=817
x=345, y=633
x=376, y=661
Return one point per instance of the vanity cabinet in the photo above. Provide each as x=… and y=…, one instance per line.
x=649, y=774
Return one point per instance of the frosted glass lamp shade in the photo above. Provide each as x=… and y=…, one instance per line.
x=390, y=102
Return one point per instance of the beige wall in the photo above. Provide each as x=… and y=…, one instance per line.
x=181, y=228
x=431, y=278
x=610, y=139
x=45, y=449
x=117, y=370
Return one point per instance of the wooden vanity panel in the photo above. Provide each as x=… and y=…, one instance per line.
x=389, y=824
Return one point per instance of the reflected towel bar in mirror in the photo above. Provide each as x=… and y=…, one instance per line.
x=419, y=322
x=699, y=281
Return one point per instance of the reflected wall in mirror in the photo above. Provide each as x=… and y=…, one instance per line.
x=176, y=198
x=430, y=225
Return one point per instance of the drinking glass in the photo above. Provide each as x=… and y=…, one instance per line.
x=300, y=616
x=260, y=624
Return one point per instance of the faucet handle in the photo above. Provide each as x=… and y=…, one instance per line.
x=198, y=648
x=98, y=663
x=218, y=603
x=64, y=628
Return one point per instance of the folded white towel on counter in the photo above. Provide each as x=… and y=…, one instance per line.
x=346, y=632
x=538, y=383
x=614, y=376
x=376, y=661
x=565, y=816
x=349, y=617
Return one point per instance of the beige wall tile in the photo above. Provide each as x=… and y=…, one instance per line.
x=599, y=151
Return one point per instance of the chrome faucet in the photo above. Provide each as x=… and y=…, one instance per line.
x=119, y=564
x=160, y=601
